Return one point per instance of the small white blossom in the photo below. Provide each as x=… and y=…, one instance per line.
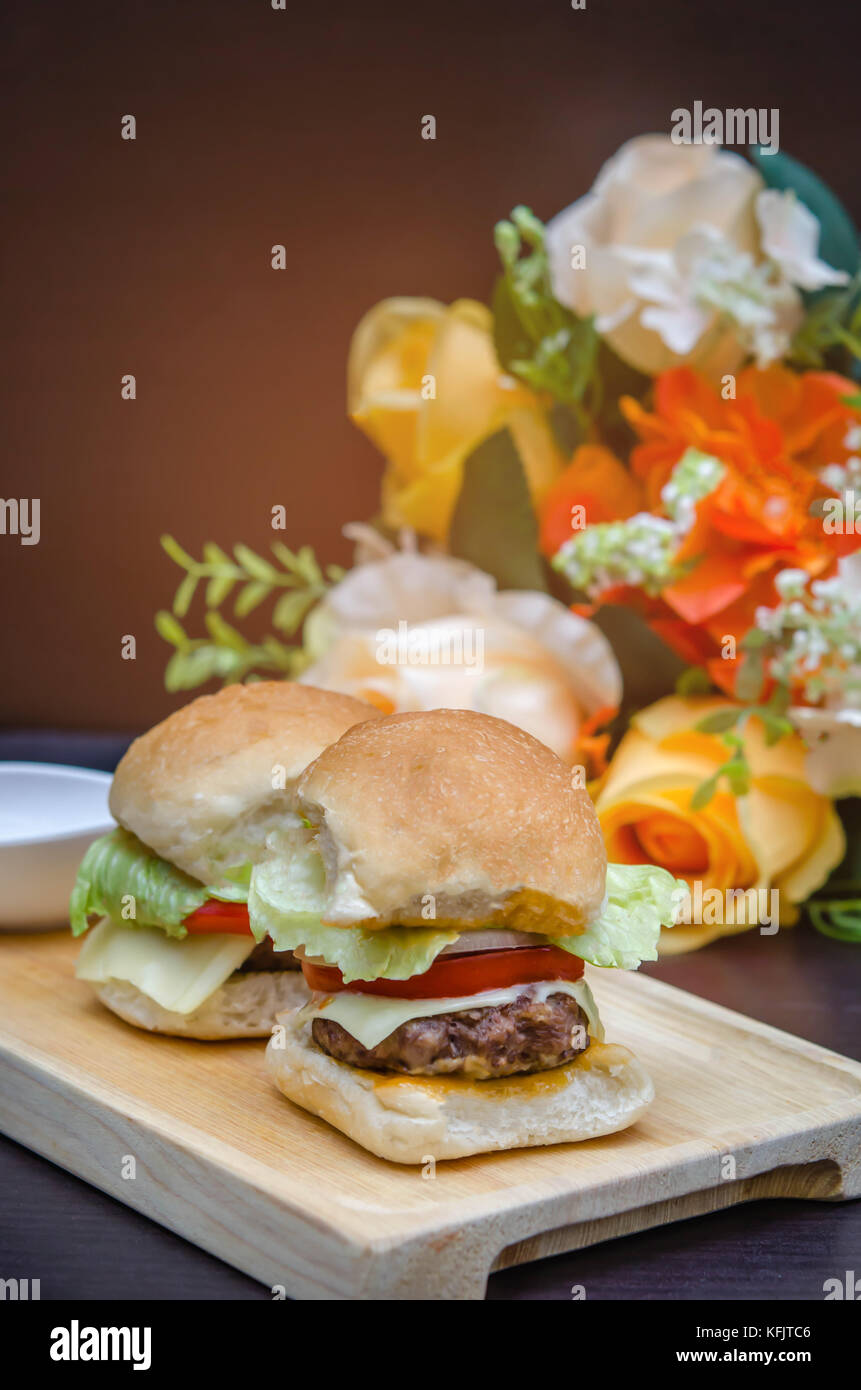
x=790, y=582
x=790, y=239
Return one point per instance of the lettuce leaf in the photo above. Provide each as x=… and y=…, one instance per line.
x=641, y=898
x=119, y=865
x=286, y=901
x=288, y=894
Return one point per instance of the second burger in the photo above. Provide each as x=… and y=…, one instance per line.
x=444, y=881
x=195, y=797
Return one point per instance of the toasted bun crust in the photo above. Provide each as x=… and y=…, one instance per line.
x=411, y=1121
x=461, y=806
x=245, y=1006
x=198, y=787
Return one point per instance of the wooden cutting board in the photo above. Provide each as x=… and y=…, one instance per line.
x=742, y=1111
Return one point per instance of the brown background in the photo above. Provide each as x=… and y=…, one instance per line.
x=256, y=127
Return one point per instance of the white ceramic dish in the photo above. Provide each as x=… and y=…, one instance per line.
x=48, y=816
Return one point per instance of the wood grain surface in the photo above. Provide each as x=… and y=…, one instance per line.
x=222, y=1159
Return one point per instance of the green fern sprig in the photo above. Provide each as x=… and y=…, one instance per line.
x=296, y=581
x=736, y=770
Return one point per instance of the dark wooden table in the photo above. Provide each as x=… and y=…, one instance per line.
x=82, y=1244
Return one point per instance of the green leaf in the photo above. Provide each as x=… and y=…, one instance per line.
x=704, y=793
x=224, y=634
x=218, y=589
x=307, y=567
x=296, y=587
x=214, y=555
x=510, y=339
x=249, y=597
x=775, y=726
x=278, y=654
x=118, y=864
x=641, y=898
x=184, y=595
x=493, y=525
x=619, y=378
x=536, y=337
x=167, y=627
x=286, y=900
x=285, y=555
x=838, y=239
x=581, y=352
x=254, y=565
x=737, y=773
x=187, y=669
x=613, y=379
x=750, y=677
x=780, y=700
x=840, y=919
x=650, y=669
x=530, y=227
x=718, y=722
x=291, y=609
x=567, y=429
x=693, y=681
x=176, y=553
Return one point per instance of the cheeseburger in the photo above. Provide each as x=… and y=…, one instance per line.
x=444, y=881
x=194, y=800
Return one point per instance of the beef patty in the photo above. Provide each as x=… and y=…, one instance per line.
x=526, y=1035
x=265, y=957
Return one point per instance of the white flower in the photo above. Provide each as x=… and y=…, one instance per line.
x=542, y=667
x=694, y=477
x=684, y=257
x=769, y=621
x=818, y=624
x=834, y=741
x=639, y=551
x=650, y=195
x=708, y=282
x=790, y=238
x=846, y=477
x=789, y=583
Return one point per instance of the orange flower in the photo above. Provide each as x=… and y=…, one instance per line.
x=596, y=481
x=778, y=420
x=772, y=439
x=810, y=411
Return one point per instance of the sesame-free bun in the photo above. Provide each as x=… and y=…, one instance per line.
x=412, y=1119
x=458, y=810
x=245, y=1006
x=198, y=788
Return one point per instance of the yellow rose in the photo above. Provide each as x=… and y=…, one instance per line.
x=781, y=836
x=424, y=384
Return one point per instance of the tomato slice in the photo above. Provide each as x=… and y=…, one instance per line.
x=216, y=916
x=450, y=976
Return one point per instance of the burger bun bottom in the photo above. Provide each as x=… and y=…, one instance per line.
x=245, y=1006
x=415, y=1119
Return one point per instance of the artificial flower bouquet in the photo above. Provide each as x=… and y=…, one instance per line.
x=621, y=508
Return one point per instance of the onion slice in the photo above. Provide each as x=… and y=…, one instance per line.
x=492, y=939
x=469, y=942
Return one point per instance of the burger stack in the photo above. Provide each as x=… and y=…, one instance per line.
x=405, y=905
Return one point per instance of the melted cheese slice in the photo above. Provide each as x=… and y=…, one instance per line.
x=369, y=1018
x=178, y=973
